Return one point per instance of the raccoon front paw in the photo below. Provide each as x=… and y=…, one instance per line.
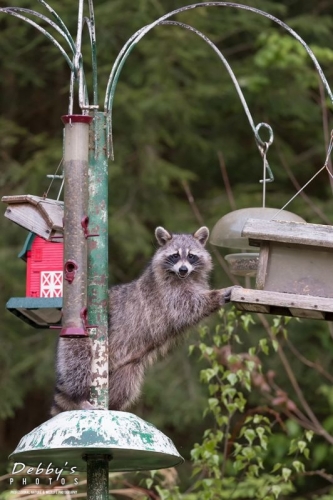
x=226, y=294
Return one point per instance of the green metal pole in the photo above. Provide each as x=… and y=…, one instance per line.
x=97, y=477
x=97, y=233
x=98, y=259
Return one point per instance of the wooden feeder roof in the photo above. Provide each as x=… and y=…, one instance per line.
x=41, y=216
x=297, y=233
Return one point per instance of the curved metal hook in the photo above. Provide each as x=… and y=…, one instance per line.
x=12, y=12
x=130, y=44
x=59, y=21
x=78, y=65
x=255, y=128
x=62, y=32
x=139, y=34
x=263, y=148
x=92, y=33
x=262, y=145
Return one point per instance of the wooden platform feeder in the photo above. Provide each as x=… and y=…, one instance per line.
x=295, y=269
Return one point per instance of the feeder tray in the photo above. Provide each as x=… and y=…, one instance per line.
x=37, y=312
x=67, y=438
x=294, y=276
x=41, y=216
x=243, y=264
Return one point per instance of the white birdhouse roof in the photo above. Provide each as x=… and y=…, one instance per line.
x=41, y=216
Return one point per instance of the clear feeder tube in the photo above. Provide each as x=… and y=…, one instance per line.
x=76, y=153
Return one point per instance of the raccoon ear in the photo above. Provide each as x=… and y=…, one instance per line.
x=202, y=235
x=162, y=236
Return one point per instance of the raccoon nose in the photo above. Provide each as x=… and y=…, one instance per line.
x=183, y=270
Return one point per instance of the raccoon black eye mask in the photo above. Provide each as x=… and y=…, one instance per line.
x=148, y=317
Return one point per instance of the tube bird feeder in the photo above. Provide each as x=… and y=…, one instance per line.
x=76, y=156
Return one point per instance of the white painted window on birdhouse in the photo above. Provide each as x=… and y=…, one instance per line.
x=51, y=284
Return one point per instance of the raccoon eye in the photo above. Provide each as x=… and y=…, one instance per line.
x=174, y=257
x=191, y=257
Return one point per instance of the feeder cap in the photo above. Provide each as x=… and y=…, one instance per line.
x=227, y=232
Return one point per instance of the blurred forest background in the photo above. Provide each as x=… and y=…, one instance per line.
x=184, y=155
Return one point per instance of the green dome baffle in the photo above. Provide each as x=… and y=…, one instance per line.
x=131, y=443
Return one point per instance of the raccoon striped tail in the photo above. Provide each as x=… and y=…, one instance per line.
x=73, y=367
x=62, y=402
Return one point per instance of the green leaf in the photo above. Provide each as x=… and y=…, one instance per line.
x=254, y=470
x=191, y=349
x=250, y=435
x=149, y=483
x=232, y=378
x=276, y=490
x=264, y=346
x=298, y=466
x=309, y=435
x=248, y=453
x=286, y=473
x=301, y=445
x=213, y=403
x=276, y=467
x=237, y=339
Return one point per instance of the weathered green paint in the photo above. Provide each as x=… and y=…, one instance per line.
x=132, y=443
x=27, y=246
x=98, y=259
x=98, y=477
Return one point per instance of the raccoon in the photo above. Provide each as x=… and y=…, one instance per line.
x=148, y=317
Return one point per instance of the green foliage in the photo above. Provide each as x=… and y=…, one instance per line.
x=234, y=458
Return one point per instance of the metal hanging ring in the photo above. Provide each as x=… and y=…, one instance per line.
x=264, y=144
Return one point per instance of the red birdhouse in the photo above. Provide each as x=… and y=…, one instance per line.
x=44, y=267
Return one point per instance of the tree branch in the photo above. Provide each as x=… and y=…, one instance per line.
x=317, y=425
x=309, y=363
x=225, y=177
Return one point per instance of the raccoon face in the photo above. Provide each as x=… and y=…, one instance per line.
x=183, y=254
